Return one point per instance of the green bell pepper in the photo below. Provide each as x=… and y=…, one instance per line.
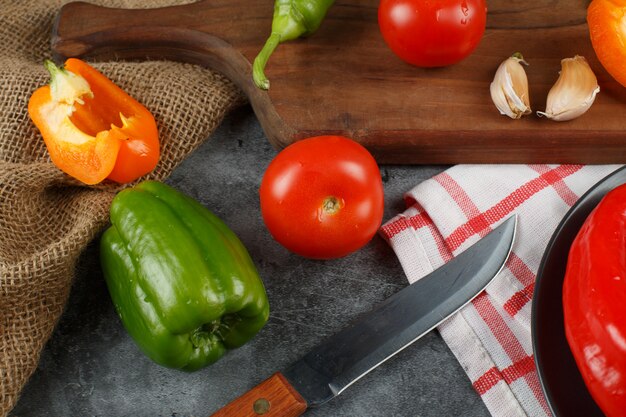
x=181, y=281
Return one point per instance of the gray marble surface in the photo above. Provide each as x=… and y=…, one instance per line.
x=91, y=367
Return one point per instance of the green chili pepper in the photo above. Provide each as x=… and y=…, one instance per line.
x=180, y=279
x=292, y=19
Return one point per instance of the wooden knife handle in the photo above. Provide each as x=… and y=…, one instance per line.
x=274, y=397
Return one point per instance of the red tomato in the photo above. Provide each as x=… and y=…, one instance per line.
x=322, y=197
x=432, y=33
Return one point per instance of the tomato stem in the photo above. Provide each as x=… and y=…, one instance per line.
x=332, y=205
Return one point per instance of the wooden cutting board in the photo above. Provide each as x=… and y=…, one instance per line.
x=344, y=79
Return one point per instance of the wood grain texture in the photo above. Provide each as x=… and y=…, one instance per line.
x=274, y=397
x=344, y=80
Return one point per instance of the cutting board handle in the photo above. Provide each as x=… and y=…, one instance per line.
x=274, y=397
x=83, y=29
x=205, y=33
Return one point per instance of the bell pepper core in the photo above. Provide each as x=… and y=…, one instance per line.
x=91, y=127
x=182, y=282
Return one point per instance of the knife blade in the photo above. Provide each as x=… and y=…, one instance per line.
x=400, y=320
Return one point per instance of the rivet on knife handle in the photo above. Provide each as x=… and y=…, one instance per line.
x=274, y=397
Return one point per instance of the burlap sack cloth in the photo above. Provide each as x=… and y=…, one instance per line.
x=46, y=218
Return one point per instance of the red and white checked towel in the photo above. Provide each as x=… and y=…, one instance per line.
x=491, y=336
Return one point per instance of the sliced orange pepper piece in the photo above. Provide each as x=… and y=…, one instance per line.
x=139, y=152
x=93, y=129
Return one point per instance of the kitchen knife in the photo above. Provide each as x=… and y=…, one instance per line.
x=400, y=320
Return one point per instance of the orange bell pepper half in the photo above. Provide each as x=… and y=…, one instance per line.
x=92, y=129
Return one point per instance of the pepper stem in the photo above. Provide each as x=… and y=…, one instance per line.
x=261, y=59
x=52, y=68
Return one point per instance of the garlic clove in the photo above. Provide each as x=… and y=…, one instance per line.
x=509, y=88
x=573, y=93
